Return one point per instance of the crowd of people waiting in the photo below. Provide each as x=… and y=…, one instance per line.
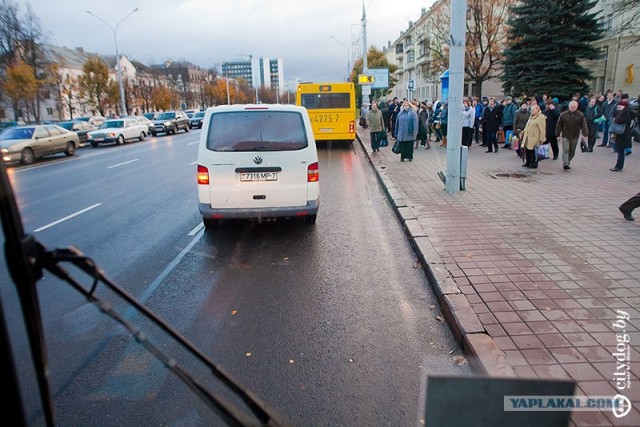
x=537, y=121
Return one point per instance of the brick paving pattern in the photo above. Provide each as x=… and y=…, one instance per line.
x=544, y=260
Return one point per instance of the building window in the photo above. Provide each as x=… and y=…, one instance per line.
x=410, y=56
x=46, y=95
x=398, y=48
x=50, y=111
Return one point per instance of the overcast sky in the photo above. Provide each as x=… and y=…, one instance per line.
x=208, y=32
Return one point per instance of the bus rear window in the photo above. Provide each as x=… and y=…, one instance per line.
x=256, y=131
x=315, y=101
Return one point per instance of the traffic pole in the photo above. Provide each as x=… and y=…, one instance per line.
x=456, y=86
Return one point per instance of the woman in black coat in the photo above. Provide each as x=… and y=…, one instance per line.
x=623, y=116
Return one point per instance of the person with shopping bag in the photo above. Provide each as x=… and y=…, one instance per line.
x=534, y=134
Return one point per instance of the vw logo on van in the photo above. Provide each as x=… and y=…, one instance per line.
x=257, y=160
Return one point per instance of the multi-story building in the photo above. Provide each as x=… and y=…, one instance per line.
x=418, y=54
x=186, y=78
x=620, y=49
x=258, y=72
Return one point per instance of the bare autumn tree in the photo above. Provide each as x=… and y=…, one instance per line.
x=627, y=12
x=486, y=37
x=32, y=53
x=10, y=31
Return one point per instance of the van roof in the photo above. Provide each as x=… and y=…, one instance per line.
x=257, y=107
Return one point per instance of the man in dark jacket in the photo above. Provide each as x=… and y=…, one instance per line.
x=394, y=109
x=552, y=115
x=609, y=107
x=492, y=118
x=570, y=123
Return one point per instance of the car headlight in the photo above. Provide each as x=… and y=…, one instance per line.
x=112, y=134
x=167, y=123
x=5, y=151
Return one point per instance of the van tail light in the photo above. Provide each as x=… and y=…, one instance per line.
x=313, y=174
x=203, y=175
x=352, y=126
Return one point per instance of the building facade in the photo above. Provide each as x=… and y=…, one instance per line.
x=417, y=53
x=258, y=72
x=619, y=66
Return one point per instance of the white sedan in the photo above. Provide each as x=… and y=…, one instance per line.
x=118, y=131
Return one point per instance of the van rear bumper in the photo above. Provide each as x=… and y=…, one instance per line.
x=311, y=208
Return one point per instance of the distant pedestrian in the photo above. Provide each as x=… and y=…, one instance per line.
x=593, y=115
x=623, y=116
x=552, y=116
x=406, y=130
x=483, y=123
x=444, y=121
x=521, y=117
x=508, y=117
x=570, y=123
x=534, y=134
x=375, y=122
x=476, y=124
x=468, y=121
x=423, y=127
x=394, y=109
x=492, y=117
x=627, y=207
x=608, y=107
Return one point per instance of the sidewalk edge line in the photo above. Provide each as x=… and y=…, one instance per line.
x=484, y=355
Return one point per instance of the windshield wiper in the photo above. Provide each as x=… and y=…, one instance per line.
x=26, y=260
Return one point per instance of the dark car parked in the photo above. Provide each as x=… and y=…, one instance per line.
x=171, y=122
x=79, y=127
x=196, y=120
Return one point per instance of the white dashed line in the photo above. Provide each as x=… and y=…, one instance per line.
x=123, y=163
x=194, y=142
x=195, y=230
x=66, y=218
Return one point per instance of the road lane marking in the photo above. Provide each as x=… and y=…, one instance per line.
x=131, y=311
x=66, y=218
x=194, y=142
x=196, y=229
x=193, y=163
x=123, y=163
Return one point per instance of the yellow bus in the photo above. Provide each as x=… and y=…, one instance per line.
x=331, y=108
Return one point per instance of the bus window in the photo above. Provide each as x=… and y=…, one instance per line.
x=331, y=108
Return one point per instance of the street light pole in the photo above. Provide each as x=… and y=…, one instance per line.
x=348, y=56
x=123, y=106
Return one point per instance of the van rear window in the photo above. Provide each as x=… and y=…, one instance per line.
x=256, y=131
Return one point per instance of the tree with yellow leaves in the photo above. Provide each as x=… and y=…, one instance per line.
x=21, y=86
x=164, y=98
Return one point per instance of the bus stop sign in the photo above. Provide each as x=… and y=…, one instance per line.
x=365, y=79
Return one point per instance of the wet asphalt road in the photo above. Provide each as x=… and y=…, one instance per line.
x=329, y=324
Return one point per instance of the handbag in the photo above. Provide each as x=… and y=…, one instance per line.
x=396, y=147
x=583, y=146
x=363, y=122
x=383, y=139
x=617, y=128
x=542, y=151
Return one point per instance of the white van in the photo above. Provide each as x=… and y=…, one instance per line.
x=256, y=162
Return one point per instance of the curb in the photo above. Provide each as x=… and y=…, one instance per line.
x=483, y=353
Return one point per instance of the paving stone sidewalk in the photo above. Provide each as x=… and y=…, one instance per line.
x=532, y=272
